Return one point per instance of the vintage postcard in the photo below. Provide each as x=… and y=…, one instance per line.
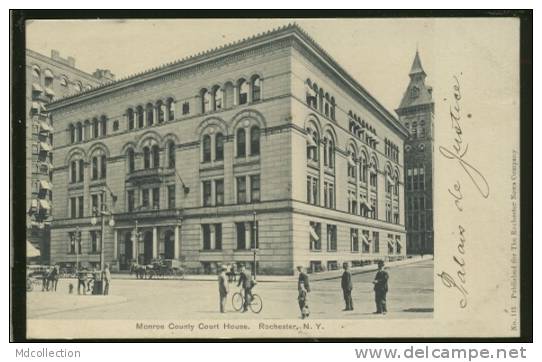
x=272, y=178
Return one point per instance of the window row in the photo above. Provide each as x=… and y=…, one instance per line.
x=416, y=130
x=416, y=202
x=419, y=221
x=246, y=236
x=89, y=129
x=98, y=169
x=148, y=198
x=152, y=113
x=363, y=131
x=391, y=150
x=49, y=77
x=247, y=190
x=76, y=242
x=415, y=179
x=231, y=94
x=364, y=207
x=361, y=241
x=317, y=98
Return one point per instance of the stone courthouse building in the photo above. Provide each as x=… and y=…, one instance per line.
x=264, y=149
x=47, y=78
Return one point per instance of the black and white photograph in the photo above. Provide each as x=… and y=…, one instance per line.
x=271, y=178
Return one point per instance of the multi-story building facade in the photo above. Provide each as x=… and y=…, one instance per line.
x=416, y=113
x=265, y=148
x=47, y=78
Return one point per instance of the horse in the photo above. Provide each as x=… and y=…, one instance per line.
x=139, y=270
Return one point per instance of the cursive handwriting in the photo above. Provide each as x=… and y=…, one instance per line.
x=459, y=149
x=461, y=273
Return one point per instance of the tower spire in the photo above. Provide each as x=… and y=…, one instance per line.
x=416, y=64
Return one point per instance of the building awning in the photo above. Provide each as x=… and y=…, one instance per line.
x=49, y=92
x=313, y=233
x=399, y=241
x=33, y=206
x=44, y=146
x=36, y=106
x=48, y=74
x=31, y=251
x=310, y=140
x=390, y=180
x=45, y=126
x=44, y=204
x=47, y=164
x=37, y=88
x=365, y=204
x=351, y=161
x=391, y=242
x=46, y=185
x=365, y=240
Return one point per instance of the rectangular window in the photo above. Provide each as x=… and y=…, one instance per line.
x=309, y=193
x=94, y=241
x=81, y=206
x=254, y=235
x=81, y=170
x=332, y=237
x=422, y=179
x=241, y=190
x=374, y=211
x=73, y=208
x=94, y=202
x=315, y=236
x=186, y=108
x=390, y=244
x=171, y=197
x=255, y=188
x=156, y=198
x=315, y=191
x=331, y=196
x=218, y=236
x=354, y=239
x=71, y=245
x=366, y=246
x=376, y=242
x=219, y=192
x=398, y=244
x=206, y=236
x=207, y=193
x=145, y=198
x=131, y=200
x=103, y=166
x=240, y=234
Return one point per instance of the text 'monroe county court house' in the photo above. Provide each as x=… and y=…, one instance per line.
x=263, y=144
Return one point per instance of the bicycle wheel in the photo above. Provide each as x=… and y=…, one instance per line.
x=237, y=301
x=256, y=304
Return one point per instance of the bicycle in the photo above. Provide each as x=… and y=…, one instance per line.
x=238, y=300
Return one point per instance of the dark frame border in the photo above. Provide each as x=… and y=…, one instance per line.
x=18, y=170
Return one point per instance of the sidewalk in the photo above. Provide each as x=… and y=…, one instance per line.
x=332, y=274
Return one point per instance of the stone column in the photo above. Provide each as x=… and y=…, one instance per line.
x=213, y=237
x=249, y=95
x=358, y=199
x=261, y=89
x=321, y=150
x=235, y=95
x=135, y=244
x=177, y=244
x=115, y=244
x=247, y=236
x=154, y=242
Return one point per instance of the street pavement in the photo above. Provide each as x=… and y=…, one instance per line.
x=410, y=296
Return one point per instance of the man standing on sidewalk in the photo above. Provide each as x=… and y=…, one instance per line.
x=346, y=285
x=381, y=288
x=303, y=289
x=223, y=288
x=245, y=282
x=106, y=279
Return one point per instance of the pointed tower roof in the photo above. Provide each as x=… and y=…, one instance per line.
x=417, y=92
x=416, y=65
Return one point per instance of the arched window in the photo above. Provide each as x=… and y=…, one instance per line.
x=73, y=171
x=155, y=156
x=103, y=126
x=146, y=157
x=94, y=168
x=140, y=117
x=81, y=170
x=95, y=128
x=205, y=101
x=170, y=109
x=241, y=142
x=312, y=145
x=332, y=108
x=218, y=96
x=149, y=110
x=351, y=162
x=131, y=160
x=256, y=89
x=78, y=132
x=243, y=91
x=71, y=129
x=103, y=166
x=315, y=89
x=171, y=154
x=160, y=110
x=219, y=144
x=206, y=144
x=130, y=115
x=326, y=105
x=330, y=153
x=255, y=140
x=363, y=169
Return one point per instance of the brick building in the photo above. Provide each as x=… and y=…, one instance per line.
x=263, y=146
x=47, y=78
x=416, y=113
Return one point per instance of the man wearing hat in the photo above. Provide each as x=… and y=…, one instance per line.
x=223, y=288
x=303, y=289
x=346, y=285
x=381, y=288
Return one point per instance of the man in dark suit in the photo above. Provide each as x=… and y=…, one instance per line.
x=303, y=287
x=346, y=285
x=245, y=281
x=381, y=288
x=223, y=288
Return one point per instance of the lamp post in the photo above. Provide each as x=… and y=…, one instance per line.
x=77, y=246
x=94, y=220
x=254, y=249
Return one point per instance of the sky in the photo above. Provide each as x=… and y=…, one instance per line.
x=378, y=53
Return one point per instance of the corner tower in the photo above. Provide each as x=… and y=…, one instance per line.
x=416, y=113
